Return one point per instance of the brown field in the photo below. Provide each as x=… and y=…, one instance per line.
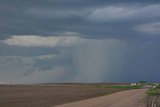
x=49, y=94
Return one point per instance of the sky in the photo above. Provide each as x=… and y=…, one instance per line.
x=54, y=41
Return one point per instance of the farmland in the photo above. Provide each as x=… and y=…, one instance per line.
x=47, y=95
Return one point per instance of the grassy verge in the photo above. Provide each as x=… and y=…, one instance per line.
x=121, y=86
x=153, y=92
x=153, y=97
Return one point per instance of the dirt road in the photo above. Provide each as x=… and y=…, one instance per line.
x=130, y=98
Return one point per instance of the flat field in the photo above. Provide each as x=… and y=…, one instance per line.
x=47, y=95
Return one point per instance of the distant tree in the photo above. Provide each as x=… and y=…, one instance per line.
x=142, y=82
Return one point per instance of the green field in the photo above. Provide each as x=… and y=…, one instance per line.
x=121, y=86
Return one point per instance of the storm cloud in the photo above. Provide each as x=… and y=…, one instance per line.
x=45, y=41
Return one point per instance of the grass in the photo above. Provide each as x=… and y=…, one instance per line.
x=153, y=97
x=154, y=91
x=121, y=86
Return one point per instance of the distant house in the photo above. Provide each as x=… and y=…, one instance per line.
x=148, y=86
x=133, y=84
x=154, y=86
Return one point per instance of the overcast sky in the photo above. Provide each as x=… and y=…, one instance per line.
x=43, y=41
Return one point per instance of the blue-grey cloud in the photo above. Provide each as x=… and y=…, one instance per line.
x=91, y=41
x=151, y=29
x=46, y=18
x=125, y=13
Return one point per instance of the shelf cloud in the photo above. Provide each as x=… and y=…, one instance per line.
x=37, y=41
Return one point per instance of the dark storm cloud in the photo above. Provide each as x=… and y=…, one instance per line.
x=26, y=52
x=143, y=61
x=63, y=59
x=93, y=19
x=76, y=40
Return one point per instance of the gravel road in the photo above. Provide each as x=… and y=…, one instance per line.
x=129, y=98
